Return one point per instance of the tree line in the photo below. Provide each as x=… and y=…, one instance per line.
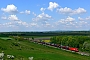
x=81, y=42
x=47, y=33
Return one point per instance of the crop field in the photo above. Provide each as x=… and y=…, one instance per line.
x=47, y=41
x=24, y=49
x=5, y=38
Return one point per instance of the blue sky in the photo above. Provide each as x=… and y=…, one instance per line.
x=44, y=15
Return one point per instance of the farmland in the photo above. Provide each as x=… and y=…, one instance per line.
x=25, y=48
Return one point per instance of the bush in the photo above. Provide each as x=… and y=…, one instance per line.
x=15, y=44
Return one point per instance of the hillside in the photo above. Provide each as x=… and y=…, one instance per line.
x=24, y=49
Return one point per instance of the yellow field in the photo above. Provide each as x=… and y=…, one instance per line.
x=47, y=41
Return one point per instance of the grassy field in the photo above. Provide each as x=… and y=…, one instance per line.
x=24, y=49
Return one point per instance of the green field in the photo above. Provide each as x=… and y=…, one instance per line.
x=24, y=49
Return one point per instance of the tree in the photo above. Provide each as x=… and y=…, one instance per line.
x=86, y=45
x=32, y=38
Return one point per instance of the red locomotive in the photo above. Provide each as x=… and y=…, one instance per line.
x=73, y=49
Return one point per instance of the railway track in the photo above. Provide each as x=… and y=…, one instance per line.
x=54, y=46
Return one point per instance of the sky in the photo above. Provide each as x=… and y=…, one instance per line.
x=44, y=15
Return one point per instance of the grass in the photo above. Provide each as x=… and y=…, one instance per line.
x=24, y=49
x=5, y=38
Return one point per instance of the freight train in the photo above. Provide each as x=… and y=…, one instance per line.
x=58, y=46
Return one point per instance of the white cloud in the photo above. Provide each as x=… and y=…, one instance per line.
x=13, y=17
x=81, y=19
x=70, y=23
x=33, y=24
x=33, y=13
x=21, y=12
x=42, y=17
x=10, y=9
x=10, y=17
x=21, y=23
x=4, y=17
x=65, y=22
x=88, y=18
x=47, y=25
x=42, y=9
x=79, y=11
x=69, y=11
x=68, y=19
x=64, y=10
x=15, y=24
x=25, y=12
x=82, y=22
x=8, y=24
x=52, y=6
